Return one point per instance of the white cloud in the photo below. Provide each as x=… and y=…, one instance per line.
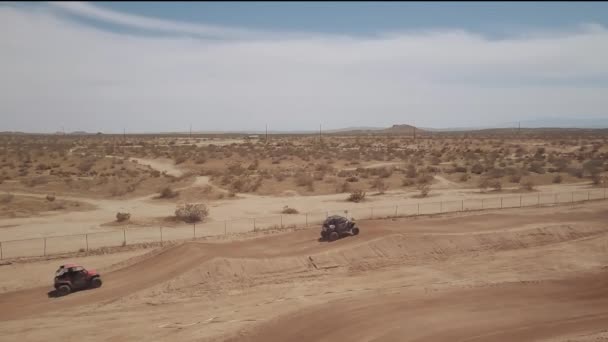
x=57, y=72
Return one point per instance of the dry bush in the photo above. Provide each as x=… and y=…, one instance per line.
x=424, y=189
x=356, y=196
x=465, y=177
x=527, y=185
x=477, y=169
x=190, y=212
x=411, y=171
x=407, y=182
x=50, y=198
x=303, y=179
x=167, y=192
x=557, y=179
x=515, y=178
x=121, y=217
x=288, y=210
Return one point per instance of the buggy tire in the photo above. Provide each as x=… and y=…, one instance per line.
x=95, y=282
x=63, y=290
x=355, y=231
x=334, y=236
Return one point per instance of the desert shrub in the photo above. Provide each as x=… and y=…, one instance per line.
x=527, y=185
x=592, y=167
x=536, y=167
x=86, y=165
x=477, y=169
x=515, y=178
x=557, y=179
x=50, y=198
x=460, y=169
x=596, y=179
x=407, y=182
x=288, y=210
x=575, y=172
x=424, y=189
x=303, y=179
x=121, y=217
x=465, y=177
x=6, y=198
x=191, y=212
x=411, y=171
x=352, y=179
x=356, y=196
x=167, y=192
x=385, y=172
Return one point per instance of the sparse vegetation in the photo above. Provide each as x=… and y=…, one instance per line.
x=356, y=196
x=289, y=211
x=191, y=213
x=122, y=217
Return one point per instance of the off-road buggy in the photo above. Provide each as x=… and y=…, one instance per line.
x=336, y=226
x=72, y=277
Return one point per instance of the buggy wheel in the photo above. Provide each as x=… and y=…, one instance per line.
x=63, y=290
x=95, y=283
x=333, y=236
x=355, y=231
x=323, y=235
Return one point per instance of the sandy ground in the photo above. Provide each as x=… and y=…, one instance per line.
x=32, y=274
x=532, y=274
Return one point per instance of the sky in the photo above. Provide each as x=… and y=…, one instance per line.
x=158, y=67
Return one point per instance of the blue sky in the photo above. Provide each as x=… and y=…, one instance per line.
x=491, y=18
x=158, y=66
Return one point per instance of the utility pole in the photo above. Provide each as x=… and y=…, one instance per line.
x=319, y=133
x=124, y=134
x=190, y=130
x=518, y=127
x=267, y=133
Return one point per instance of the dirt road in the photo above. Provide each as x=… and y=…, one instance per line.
x=510, y=275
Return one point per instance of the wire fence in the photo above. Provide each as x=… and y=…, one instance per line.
x=53, y=245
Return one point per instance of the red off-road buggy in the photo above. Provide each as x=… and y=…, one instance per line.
x=72, y=277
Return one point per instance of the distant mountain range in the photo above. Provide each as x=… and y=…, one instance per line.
x=546, y=123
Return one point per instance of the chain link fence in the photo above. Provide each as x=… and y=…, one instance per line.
x=130, y=236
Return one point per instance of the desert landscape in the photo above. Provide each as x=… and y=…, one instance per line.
x=304, y=171
x=530, y=271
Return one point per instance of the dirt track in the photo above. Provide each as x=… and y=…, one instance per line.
x=521, y=274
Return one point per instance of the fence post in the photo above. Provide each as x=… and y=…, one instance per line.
x=572, y=193
x=501, y=203
x=124, y=236
x=418, y=209
x=588, y=194
x=461, y=205
x=372, y=213
x=281, y=221
x=1, y=255
x=194, y=231
x=520, y=201
x=254, y=224
x=538, y=202
x=555, y=199
x=440, y=207
x=306, y=219
x=225, y=224
x=161, y=235
x=86, y=239
x=482, y=203
x=396, y=210
x=44, y=246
